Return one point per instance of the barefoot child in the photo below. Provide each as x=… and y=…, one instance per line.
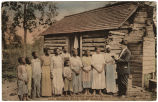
x=22, y=79
x=67, y=78
x=29, y=73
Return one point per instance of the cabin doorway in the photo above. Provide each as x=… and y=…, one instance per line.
x=74, y=42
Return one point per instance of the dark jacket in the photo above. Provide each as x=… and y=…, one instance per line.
x=123, y=62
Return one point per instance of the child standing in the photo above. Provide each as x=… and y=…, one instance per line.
x=22, y=79
x=67, y=78
x=29, y=73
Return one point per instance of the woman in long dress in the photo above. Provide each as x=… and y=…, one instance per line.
x=22, y=80
x=110, y=71
x=76, y=64
x=57, y=66
x=98, y=63
x=46, y=79
x=87, y=72
x=29, y=74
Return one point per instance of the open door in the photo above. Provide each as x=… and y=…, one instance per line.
x=74, y=42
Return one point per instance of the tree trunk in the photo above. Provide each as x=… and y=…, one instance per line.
x=3, y=41
x=25, y=31
x=25, y=42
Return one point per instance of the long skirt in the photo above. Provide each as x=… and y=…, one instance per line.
x=57, y=81
x=22, y=88
x=98, y=81
x=77, y=82
x=68, y=85
x=87, y=79
x=122, y=83
x=110, y=78
x=46, y=81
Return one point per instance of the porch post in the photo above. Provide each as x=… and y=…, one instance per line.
x=80, y=45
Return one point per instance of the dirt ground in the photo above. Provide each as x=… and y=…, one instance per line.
x=9, y=93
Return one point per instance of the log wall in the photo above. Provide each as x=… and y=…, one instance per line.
x=53, y=42
x=90, y=40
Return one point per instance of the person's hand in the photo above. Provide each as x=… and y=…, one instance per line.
x=100, y=70
x=70, y=78
x=86, y=71
x=26, y=81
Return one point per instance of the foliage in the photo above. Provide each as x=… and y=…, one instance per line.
x=11, y=55
x=28, y=16
x=4, y=27
x=36, y=13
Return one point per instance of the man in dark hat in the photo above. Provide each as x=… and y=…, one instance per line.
x=123, y=69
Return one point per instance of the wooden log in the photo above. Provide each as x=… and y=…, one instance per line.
x=136, y=57
x=152, y=45
x=140, y=20
x=116, y=51
x=93, y=40
x=116, y=32
x=55, y=45
x=97, y=35
x=148, y=58
x=149, y=39
x=91, y=48
x=141, y=14
x=52, y=48
x=132, y=63
x=135, y=60
x=137, y=71
x=115, y=47
x=149, y=63
x=149, y=28
x=137, y=26
x=123, y=30
x=136, y=52
x=116, y=37
x=55, y=38
x=149, y=55
x=93, y=44
x=55, y=41
x=151, y=70
x=136, y=75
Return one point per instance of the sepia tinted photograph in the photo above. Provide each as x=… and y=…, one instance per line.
x=79, y=50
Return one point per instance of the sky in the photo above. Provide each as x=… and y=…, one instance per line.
x=72, y=7
x=66, y=8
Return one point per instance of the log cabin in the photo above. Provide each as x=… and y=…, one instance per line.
x=109, y=25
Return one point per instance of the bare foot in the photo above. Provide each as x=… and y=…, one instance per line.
x=94, y=94
x=100, y=93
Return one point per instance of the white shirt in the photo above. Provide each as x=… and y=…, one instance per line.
x=36, y=68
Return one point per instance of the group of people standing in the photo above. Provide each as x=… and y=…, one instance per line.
x=71, y=75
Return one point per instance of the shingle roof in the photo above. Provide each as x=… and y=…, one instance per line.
x=98, y=19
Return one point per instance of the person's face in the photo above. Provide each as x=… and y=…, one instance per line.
x=88, y=53
x=108, y=49
x=23, y=60
x=98, y=50
x=47, y=52
x=29, y=59
x=65, y=49
x=75, y=52
x=58, y=52
x=35, y=55
x=68, y=63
